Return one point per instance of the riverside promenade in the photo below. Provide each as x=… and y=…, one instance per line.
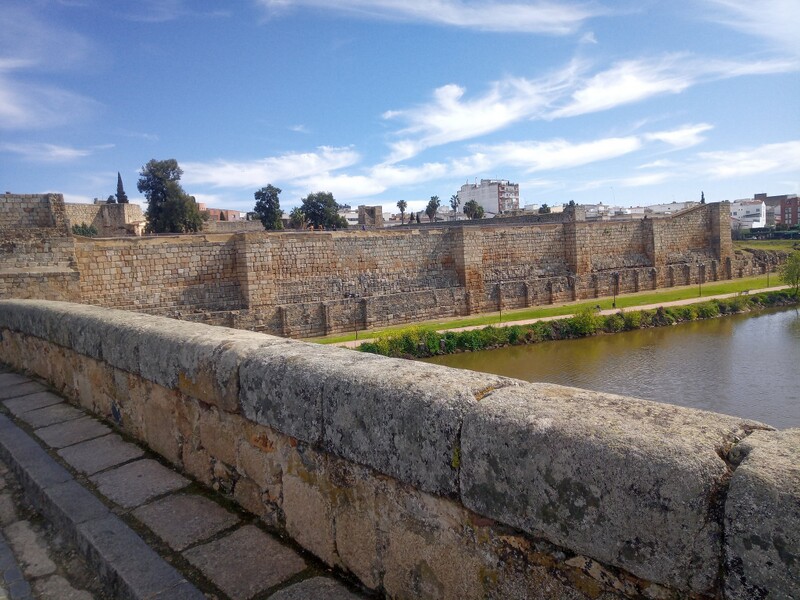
x=86, y=514
x=609, y=311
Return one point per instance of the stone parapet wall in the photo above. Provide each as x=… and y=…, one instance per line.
x=110, y=220
x=35, y=211
x=424, y=481
x=232, y=226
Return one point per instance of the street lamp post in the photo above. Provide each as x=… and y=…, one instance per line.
x=700, y=272
x=615, y=289
x=353, y=296
x=500, y=298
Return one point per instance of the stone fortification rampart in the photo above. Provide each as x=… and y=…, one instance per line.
x=314, y=283
x=110, y=220
x=37, y=252
x=424, y=481
x=192, y=272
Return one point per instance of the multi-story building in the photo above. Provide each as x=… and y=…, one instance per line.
x=786, y=208
x=496, y=196
x=747, y=214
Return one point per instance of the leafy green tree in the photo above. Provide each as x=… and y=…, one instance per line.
x=297, y=220
x=122, y=197
x=401, y=206
x=473, y=210
x=789, y=272
x=544, y=209
x=454, y=202
x=111, y=199
x=268, y=207
x=169, y=208
x=433, y=206
x=320, y=209
x=702, y=198
x=417, y=217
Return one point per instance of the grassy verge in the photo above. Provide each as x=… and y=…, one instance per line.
x=731, y=286
x=784, y=245
x=420, y=342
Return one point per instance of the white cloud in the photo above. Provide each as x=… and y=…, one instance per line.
x=628, y=182
x=542, y=16
x=449, y=117
x=773, y=20
x=626, y=82
x=658, y=164
x=256, y=173
x=560, y=154
x=769, y=158
x=684, y=137
x=45, y=152
x=32, y=106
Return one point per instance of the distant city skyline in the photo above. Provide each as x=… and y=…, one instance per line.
x=625, y=103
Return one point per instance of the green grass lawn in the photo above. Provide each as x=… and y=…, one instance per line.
x=785, y=245
x=625, y=301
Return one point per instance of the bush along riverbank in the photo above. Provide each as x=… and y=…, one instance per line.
x=420, y=342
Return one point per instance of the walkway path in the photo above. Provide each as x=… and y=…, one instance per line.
x=610, y=311
x=85, y=514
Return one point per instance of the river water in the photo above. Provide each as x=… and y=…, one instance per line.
x=745, y=365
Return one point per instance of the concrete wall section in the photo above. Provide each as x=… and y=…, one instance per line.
x=424, y=481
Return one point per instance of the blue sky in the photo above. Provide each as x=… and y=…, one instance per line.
x=628, y=102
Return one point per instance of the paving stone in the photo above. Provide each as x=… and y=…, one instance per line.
x=246, y=562
x=7, y=379
x=22, y=405
x=182, y=520
x=32, y=465
x=316, y=588
x=8, y=513
x=56, y=587
x=20, y=389
x=66, y=434
x=49, y=415
x=96, y=455
x=137, y=482
x=130, y=566
x=30, y=549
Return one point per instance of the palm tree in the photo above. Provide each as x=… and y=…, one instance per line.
x=402, y=205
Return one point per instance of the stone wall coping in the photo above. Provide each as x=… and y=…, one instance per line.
x=632, y=483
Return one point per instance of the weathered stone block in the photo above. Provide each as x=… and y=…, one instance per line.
x=762, y=518
x=628, y=482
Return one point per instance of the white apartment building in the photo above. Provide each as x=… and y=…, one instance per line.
x=748, y=214
x=494, y=195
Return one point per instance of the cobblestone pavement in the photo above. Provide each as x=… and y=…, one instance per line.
x=86, y=514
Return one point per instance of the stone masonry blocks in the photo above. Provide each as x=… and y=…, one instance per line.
x=398, y=417
x=628, y=482
x=762, y=518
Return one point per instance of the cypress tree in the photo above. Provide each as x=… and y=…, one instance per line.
x=122, y=197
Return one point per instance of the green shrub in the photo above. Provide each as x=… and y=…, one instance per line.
x=707, y=310
x=614, y=323
x=84, y=230
x=584, y=323
x=633, y=320
x=516, y=335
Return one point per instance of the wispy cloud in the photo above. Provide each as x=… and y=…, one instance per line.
x=543, y=16
x=773, y=20
x=33, y=106
x=683, y=137
x=45, y=152
x=770, y=158
x=299, y=128
x=256, y=173
x=30, y=46
x=450, y=117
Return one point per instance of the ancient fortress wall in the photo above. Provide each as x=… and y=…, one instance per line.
x=314, y=283
x=110, y=220
x=424, y=481
x=37, y=251
x=190, y=272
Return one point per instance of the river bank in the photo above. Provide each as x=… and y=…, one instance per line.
x=421, y=342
